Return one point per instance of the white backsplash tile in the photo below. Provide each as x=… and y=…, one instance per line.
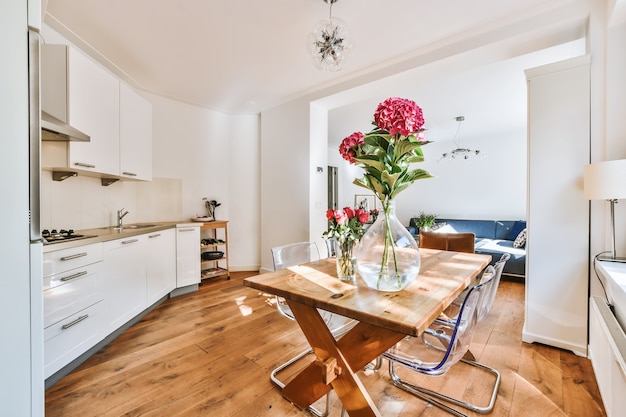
x=81, y=202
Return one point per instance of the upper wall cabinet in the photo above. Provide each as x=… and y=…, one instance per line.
x=135, y=135
x=76, y=89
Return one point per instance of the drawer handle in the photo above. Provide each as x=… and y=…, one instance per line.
x=130, y=174
x=75, y=322
x=126, y=242
x=191, y=229
x=77, y=255
x=84, y=165
x=154, y=235
x=74, y=276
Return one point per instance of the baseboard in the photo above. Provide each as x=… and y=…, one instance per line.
x=183, y=290
x=580, y=350
x=514, y=277
x=244, y=268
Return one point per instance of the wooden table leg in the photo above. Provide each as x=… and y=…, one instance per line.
x=343, y=358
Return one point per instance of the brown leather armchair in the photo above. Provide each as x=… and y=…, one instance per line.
x=458, y=242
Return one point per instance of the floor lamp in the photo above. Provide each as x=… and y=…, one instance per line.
x=607, y=181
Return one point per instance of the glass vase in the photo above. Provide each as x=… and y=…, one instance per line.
x=345, y=251
x=388, y=256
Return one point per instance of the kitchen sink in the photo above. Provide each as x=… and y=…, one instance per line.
x=130, y=227
x=139, y=226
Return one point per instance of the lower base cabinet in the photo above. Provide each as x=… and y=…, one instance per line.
x=187, y=255
x=124, y=280
x=607, y=351
x=72, y=299
x=160, y=264
x=91, y=291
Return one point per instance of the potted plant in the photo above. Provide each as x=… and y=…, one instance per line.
x=425, y=221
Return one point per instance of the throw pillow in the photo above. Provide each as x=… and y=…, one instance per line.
x=437, y=226
x=520, y=240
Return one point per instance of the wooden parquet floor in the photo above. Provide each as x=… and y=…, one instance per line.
x=209, y=353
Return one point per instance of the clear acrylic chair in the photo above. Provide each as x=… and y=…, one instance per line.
x=442, y=345
x=487, y=300
x=284, y=257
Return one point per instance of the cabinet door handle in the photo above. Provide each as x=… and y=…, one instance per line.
x=77, y=255
x=191, y=229
x=154, y=235
x=130, y=174
x=75, y=322
x=84, y=165
x=126, y=242
x=74, y=276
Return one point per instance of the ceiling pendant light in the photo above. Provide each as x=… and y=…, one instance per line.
x=329, y=43
x=459, y=152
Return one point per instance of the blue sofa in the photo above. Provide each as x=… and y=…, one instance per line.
x=493, y=237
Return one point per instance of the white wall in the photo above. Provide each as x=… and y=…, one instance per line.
x=244, y=165
x=615, y=121
x=492, y=98
x=285, y=169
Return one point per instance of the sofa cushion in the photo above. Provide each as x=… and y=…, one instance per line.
x=503, y=229
x=481, y=228
x=515, y=266
x=518, y=226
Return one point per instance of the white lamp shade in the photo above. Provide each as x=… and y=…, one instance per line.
x=605, y=180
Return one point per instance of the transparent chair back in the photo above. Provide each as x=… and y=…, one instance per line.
x=443, y=344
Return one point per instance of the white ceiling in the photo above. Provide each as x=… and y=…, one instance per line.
x=243, y=56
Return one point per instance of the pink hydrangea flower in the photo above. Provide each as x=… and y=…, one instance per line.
x=346, y=149
x=399, y=116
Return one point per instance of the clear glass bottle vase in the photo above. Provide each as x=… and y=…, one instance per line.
x=346, y=259
x=388, y=256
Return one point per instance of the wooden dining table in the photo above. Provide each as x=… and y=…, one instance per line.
x=384, y=318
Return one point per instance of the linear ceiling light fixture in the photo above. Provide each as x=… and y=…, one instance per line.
x=459, y=152
x=329, y=44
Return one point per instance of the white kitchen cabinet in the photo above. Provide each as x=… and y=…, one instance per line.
x=75, y=89
x=187, y=255
x=124, y=280
x=557, y=211
x=135, y=135
x=72, y=299
x=160, y=259
x=607, y=351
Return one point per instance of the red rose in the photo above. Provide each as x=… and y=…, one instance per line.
x=349, y=212
x=363, y=216
x=330, y=214
x=340, y=216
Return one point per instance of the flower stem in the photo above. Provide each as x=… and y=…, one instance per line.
x=388, y=244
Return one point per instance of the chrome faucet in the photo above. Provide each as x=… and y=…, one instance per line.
x=120, y=215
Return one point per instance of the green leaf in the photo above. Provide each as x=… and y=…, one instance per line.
x=390, y=179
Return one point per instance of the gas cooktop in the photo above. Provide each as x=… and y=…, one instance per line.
x=54, y=236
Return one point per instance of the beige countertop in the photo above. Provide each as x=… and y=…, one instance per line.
x=104, y=234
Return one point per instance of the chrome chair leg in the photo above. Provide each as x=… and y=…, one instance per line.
x=432, y=396
x=281, y=384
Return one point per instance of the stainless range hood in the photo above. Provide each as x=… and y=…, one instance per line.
x=57, y=130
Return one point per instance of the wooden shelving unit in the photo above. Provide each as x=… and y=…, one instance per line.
x=214, y=237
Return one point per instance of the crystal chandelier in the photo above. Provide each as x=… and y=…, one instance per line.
x=460, y=152
x=329, y=43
